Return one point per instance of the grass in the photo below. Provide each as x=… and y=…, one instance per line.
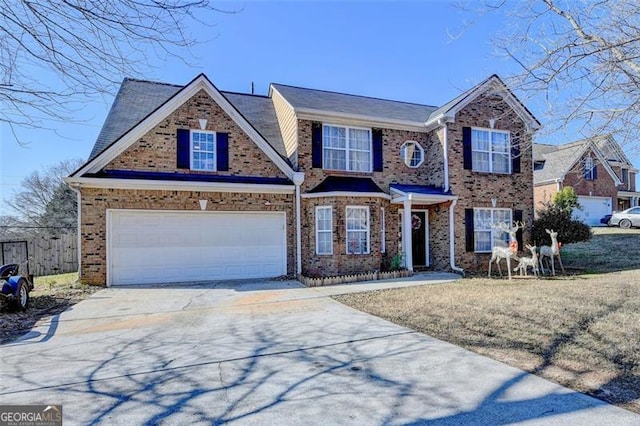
x=580, y=330
x=51, y=295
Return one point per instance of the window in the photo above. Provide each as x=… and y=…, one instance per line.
x=486, y=236
x=491, y=151
x=357, y=230
x=346, y=148
x=538, y=165
x=589, y=173
x=324, y=230
x=625, y=178
x=203, y=150
x=412, y=154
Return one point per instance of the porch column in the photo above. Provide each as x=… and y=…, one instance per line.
x=406, y=235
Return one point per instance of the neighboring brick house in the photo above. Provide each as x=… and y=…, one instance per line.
x=189, y=183
x=597, y=169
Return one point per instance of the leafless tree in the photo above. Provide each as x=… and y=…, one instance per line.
x=44, y=203
x=56, y=54
x=581, y=59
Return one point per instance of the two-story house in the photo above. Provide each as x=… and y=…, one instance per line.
x=597, y=169
x=190, y=183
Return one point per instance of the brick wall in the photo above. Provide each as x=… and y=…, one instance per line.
x=156, y=151
x=476, y=189
x=543, y=194
x=602, y=186
x=95, y=202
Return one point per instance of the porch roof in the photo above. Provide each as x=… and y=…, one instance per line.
x=420, y=194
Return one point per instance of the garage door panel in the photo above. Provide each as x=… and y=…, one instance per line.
x=153, y=247
x=593, y=209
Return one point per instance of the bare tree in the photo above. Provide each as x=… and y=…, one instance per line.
x=44, y=204
x=55, y=54
x=581, y=59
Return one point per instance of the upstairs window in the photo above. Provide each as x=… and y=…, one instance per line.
x=346, y=148
x=625, y=177
x=491, y=151
x=589, y=169
x=412, y=154
x=203, y=150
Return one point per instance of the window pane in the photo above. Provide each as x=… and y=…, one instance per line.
x=359, y=161
x=481, y=161
x=357, y=242
x=334, y=159
x=480, y=140
x=334, y=137
x=482, y=241
x=324, y=243
x=359, y=139
x=500, y=163
x=500, y=142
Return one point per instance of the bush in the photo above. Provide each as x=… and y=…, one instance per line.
x=560, y=221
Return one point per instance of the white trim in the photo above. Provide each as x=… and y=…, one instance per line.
x=452, y=238
x=347, y=194
x=492, y=83
x=79, y=230
x=215, y=149
x=346, y=227
x=164, y=185
x=427, y=252
x=199, y=83
x=330, y=231
x=492, y=209
x=404, y=157
x=109, y=219
x=383, y=232
x=420, y=198
x=361, y=119
x=446, y=156
x=491, y=152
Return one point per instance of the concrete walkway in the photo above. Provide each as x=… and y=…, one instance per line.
x=269, y=353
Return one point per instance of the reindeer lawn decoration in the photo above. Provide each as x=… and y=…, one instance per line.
x=507, y=253
x=525, y=262
x=551, y=252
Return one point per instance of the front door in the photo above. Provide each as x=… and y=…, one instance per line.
x=419, y=237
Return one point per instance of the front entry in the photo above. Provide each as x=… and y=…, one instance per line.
x=419, y=237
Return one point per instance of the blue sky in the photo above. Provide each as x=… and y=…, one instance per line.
x=425, y=52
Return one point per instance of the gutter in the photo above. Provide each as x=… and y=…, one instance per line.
x=452, y=257
x=446, y=154
x=298, y=179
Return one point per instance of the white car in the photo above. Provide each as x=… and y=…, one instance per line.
x=626, y=218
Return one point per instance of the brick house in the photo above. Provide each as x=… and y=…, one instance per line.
x=597, y=169
x=189, y=183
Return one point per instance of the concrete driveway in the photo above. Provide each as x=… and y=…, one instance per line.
x=268, y=353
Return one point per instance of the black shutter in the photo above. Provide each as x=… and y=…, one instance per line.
x=468, y=226
x=183, y=149
x=466, y=148
x=595, y=172
x=517, y=216
x=316, y=145
x=222, y=152
x=376, y=138
x=515, y=158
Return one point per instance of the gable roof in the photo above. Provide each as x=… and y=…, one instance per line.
x=159, y=100
x=493, y=83
x=560, y=159
x=305, y=100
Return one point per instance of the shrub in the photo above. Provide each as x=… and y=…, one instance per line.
x=560, y=221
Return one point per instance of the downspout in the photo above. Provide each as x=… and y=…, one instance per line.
x=446, y=154
x=75, y=189
x=298, y=179
x=452, y=251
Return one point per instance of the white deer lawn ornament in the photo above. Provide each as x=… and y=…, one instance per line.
x=551, y=252
x=525, y=262
x=507, y=253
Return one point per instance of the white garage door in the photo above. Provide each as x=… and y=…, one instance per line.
x=146, y=247
x=594, y=208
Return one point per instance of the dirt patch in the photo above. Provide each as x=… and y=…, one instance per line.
x=51, y=295
x=582, y=331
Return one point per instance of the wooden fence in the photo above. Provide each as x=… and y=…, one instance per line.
x=46, y=255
